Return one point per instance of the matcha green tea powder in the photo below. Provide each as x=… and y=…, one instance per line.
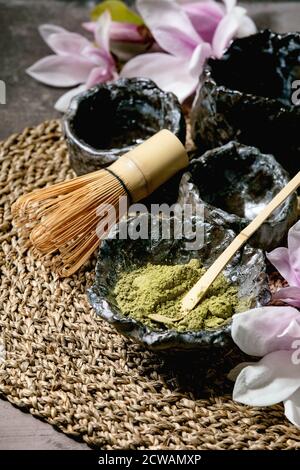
x=155, y=291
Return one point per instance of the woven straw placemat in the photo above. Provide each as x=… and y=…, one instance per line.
x=73, y=370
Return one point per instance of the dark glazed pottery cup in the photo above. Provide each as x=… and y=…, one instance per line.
x=247, y=96
x=110, y=119
x=246, y=271
x=239, y=182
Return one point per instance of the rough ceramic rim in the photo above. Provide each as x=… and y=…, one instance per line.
x=267, y=157
x=75, y=102
x=208, y=78
x=170, y=339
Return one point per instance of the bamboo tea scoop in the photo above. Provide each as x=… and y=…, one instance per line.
x=193, y=297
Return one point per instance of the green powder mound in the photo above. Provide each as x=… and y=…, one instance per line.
x=152, y=295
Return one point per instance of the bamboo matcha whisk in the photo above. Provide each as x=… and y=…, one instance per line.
x=63, y=220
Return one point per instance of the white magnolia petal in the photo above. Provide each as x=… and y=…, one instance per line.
x=292, y=330
x=229, y=5
x=257, y=331
x=90, y=26
x=271, y=380
x=294, y=250
x=292, y=408
x=168, y=72
x=97, y=56
x=46, y=30
x=61, y=71
x=225, y=31
x=63, y=103
x=103, y=30
x=247, y=27
x=289, y=295
x=68, y=43
x=99, y=75
x=280, y=258
x=200, y=54
x=170, y=26
x=235, y=372
x=205, y=17
x=125, y=32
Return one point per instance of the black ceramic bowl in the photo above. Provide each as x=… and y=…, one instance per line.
x=247, y=96
x=110, y=119
x=240, y=181
x=246, y=271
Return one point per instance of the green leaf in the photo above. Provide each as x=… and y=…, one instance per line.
x=118, y=10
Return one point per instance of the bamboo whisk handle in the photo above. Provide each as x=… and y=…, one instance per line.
x=149, y=165
x=193, y=297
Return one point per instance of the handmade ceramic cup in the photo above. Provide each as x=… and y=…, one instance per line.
x=250, y=95
x=239, y=181
x=110, y=119
x=246, y=271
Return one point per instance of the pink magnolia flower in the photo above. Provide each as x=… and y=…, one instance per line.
x=188, y=32
x=218, y=24
x=272, y=333
x=287, y=262
x=76, y=60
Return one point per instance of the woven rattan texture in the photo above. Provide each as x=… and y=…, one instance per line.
x=71, y=369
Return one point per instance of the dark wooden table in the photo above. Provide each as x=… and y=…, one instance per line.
x=29, y=103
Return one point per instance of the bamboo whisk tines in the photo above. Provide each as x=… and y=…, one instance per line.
x=66, y=224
